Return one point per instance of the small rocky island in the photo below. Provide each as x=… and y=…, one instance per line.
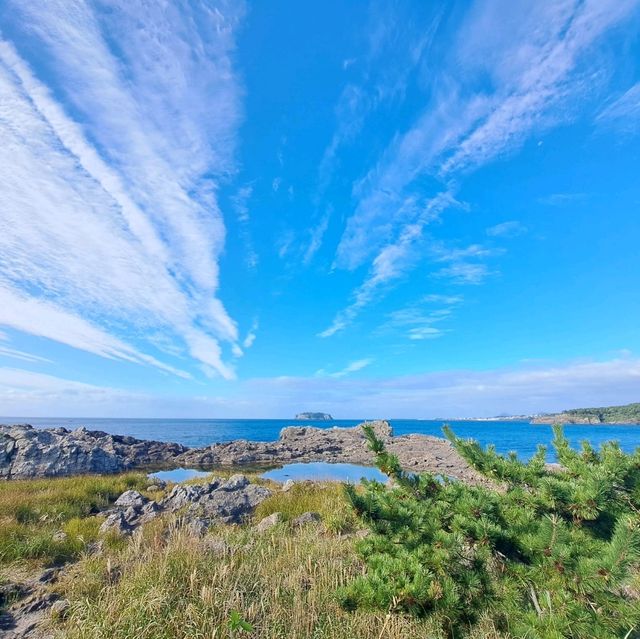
x=324, y=417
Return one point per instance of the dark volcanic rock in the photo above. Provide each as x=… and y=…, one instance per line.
x=32, y=452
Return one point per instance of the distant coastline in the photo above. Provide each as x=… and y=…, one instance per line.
x=628, y=414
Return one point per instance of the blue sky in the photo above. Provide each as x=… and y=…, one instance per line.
x=395, y=209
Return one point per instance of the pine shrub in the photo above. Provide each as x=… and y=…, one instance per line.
x=550, y=552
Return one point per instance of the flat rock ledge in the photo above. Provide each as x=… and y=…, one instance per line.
x=199, y=506
x=29, y=452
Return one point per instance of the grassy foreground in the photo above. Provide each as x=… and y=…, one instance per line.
x=48, y=521
x=169, y=583
x=552, y=554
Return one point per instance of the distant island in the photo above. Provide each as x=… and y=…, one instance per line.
x=628, y=414
x=316, y=416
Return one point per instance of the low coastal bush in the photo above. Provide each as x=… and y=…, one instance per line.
x=548, y=553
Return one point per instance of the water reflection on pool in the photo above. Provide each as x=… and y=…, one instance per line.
x=323, y=471
x=178, y=475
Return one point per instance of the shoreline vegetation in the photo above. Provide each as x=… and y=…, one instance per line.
x=627, y=414
x=534, y=551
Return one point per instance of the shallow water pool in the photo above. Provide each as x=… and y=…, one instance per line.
x=178, y=475
x=324, y=471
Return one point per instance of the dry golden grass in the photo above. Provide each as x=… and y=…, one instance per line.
x=169, y=584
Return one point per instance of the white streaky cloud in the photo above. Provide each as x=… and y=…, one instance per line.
x=536, y=73
x=424, y=332
x=623, y=112
x=465, y=273
x=116, y=220
x=416, y=323
x=284, y=242
x=562, y=199
x=352, y=367
x=317, y=235
x=460, y=270
x=250, y=338
x=240, y=202
x=533, y=65
x=45, y=319
x=25, y=357
x=351, y=110
x=392, y=261
x=396, y=46
x=507, y=229
x=436, y=298
x=444, y=254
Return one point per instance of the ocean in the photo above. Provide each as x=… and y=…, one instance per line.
x=519, y=436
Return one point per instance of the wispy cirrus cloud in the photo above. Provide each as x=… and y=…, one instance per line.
x=534, y=58
x=624, y=112
x=392, y=261
x=416, y=323
x=250, y=337
x=395, y=46
x=317, y=234
x=110, y=171
x=240, y=202
x=352, y=367
x=562, y=199
x=14, y=353
x=465, y=273
x=420, y=320
x=511, y=228
x=45, y=319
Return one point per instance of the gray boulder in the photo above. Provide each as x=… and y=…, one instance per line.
x=306, y=518
x=198, y=505
x=131, y=499
x=268, y=522
x=116, y=523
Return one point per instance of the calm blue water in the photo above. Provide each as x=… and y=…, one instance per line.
x=317, y=471
x=322, y=471
x=178, y=475
x=521, y=437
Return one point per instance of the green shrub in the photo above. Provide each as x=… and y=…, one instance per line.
x=547, y=553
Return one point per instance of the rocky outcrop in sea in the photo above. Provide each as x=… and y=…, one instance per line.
x=30, y=452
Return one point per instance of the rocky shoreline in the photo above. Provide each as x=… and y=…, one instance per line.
x=28, y=452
